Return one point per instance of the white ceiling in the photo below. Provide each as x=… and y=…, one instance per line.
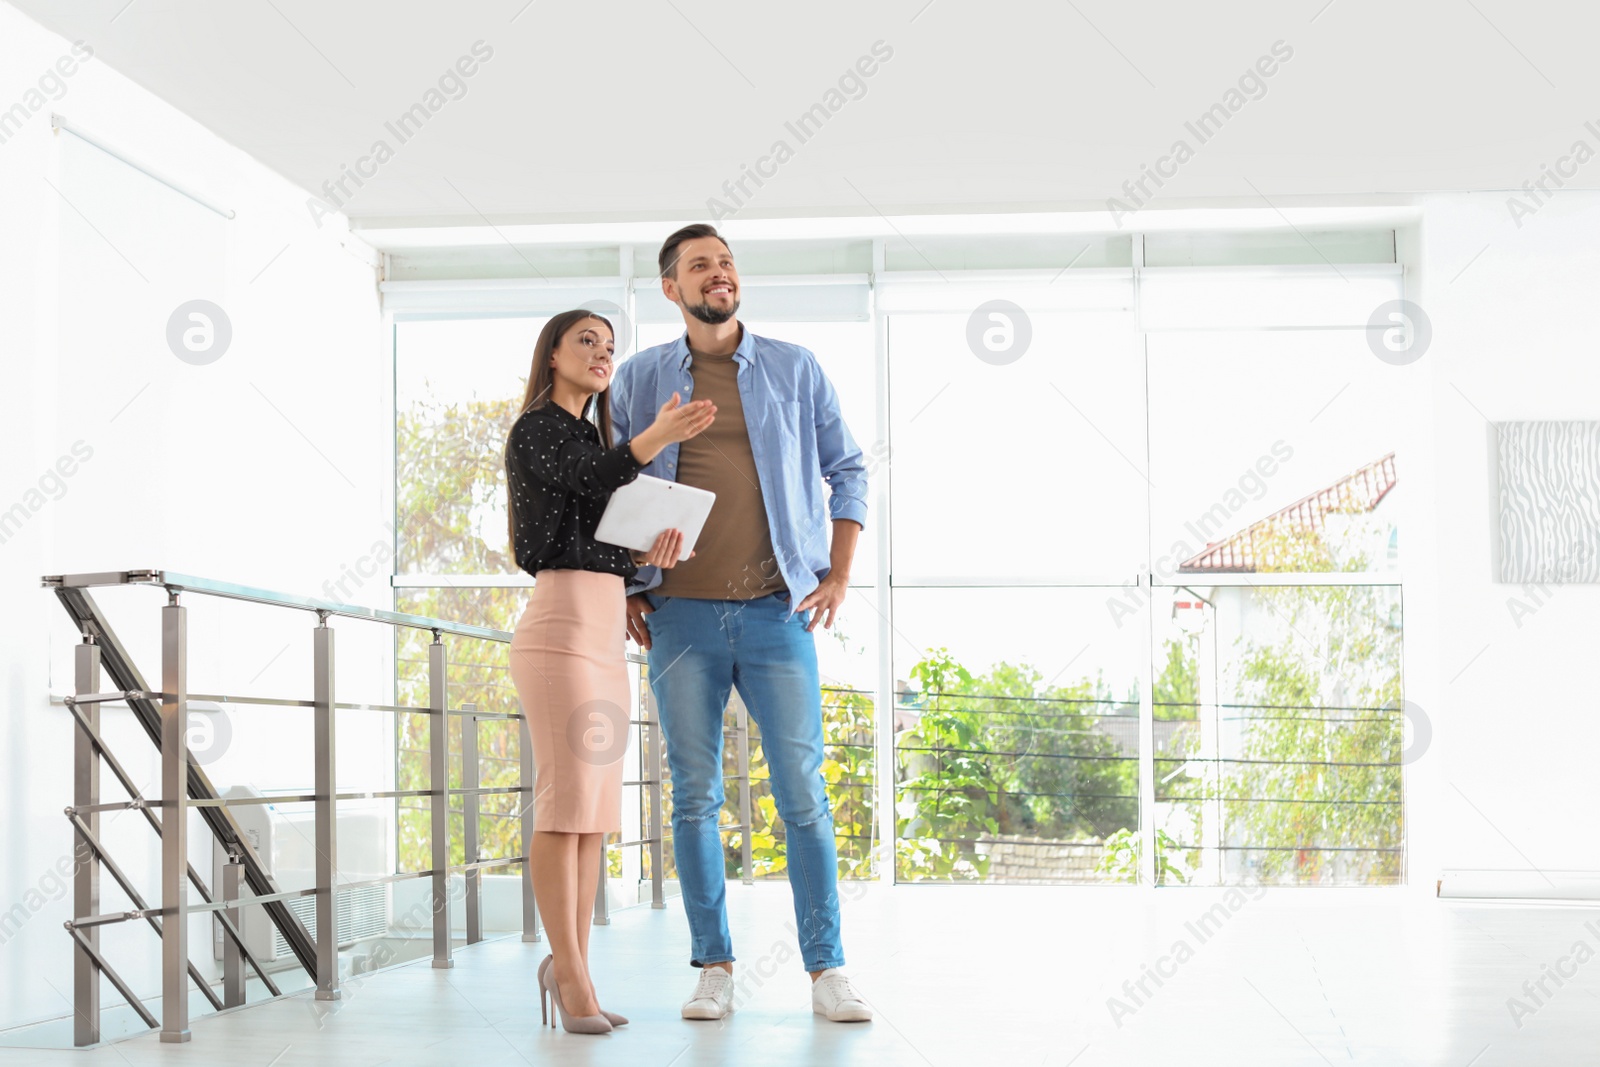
x=641, y=109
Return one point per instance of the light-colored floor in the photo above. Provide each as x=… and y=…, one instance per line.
x=976, y=975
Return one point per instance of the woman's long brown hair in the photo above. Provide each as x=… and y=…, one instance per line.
x=541, y=380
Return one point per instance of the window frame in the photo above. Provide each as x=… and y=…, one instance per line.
x=891, y=292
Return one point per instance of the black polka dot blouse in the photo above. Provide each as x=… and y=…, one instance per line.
x=560, y=479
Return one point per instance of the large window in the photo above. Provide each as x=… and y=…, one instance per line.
x=1031, y=469
x=1277, y=622
x=457, y=385
x=1017, y=738
x=1128, y=605
x=1018, y=481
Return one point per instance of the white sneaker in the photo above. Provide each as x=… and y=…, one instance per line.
x=832, y=996
x=713, y=995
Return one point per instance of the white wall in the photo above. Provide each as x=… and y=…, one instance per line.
x=1513, y=706
x=269, y=467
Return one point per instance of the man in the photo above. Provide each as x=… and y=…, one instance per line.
x=741, y=611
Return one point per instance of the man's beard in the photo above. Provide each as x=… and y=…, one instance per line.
x=712, y=316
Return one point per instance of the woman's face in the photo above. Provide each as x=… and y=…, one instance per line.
x=583, y=358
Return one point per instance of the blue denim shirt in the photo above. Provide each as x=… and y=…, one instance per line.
x=797, y=435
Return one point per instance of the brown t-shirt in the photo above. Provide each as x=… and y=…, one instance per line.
x=734, y=558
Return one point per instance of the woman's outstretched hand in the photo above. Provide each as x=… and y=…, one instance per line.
x=674, y=422
x=679, y=422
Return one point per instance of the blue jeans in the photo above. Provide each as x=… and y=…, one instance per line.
x=699, y=650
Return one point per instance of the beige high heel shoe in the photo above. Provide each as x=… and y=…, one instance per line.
x=611, y=1017
x=585, y=1024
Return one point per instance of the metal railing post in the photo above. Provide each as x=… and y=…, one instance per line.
x=602, y=902
x=658, y=833
x=439, y=788
x=323, y=758
x=245, y=881
x=742, y=718
x=86, y=865
x=174, y=822
x=530, y=907
x=232, y=958
x=469, y=821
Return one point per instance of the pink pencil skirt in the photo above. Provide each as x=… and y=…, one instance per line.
x=567, y=664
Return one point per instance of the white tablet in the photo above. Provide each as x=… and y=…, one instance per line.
x=639, y=511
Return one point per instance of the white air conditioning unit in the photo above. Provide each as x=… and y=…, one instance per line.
x=283, y=837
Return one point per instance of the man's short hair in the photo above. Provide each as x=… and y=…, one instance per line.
x=668, y=260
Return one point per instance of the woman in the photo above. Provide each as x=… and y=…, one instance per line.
x=567, y=652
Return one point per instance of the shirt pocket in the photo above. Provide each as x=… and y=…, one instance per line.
x=790, y=421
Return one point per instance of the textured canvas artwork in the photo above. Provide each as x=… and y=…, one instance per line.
x=1549, y=501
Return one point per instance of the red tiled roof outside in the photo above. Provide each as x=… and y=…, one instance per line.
x=1249, y=550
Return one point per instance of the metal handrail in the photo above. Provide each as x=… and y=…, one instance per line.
x=163, y=712
x=175, y=582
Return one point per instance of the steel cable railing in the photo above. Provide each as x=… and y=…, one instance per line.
x=246, y=878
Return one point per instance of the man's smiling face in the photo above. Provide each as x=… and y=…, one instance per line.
x=704, y=282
